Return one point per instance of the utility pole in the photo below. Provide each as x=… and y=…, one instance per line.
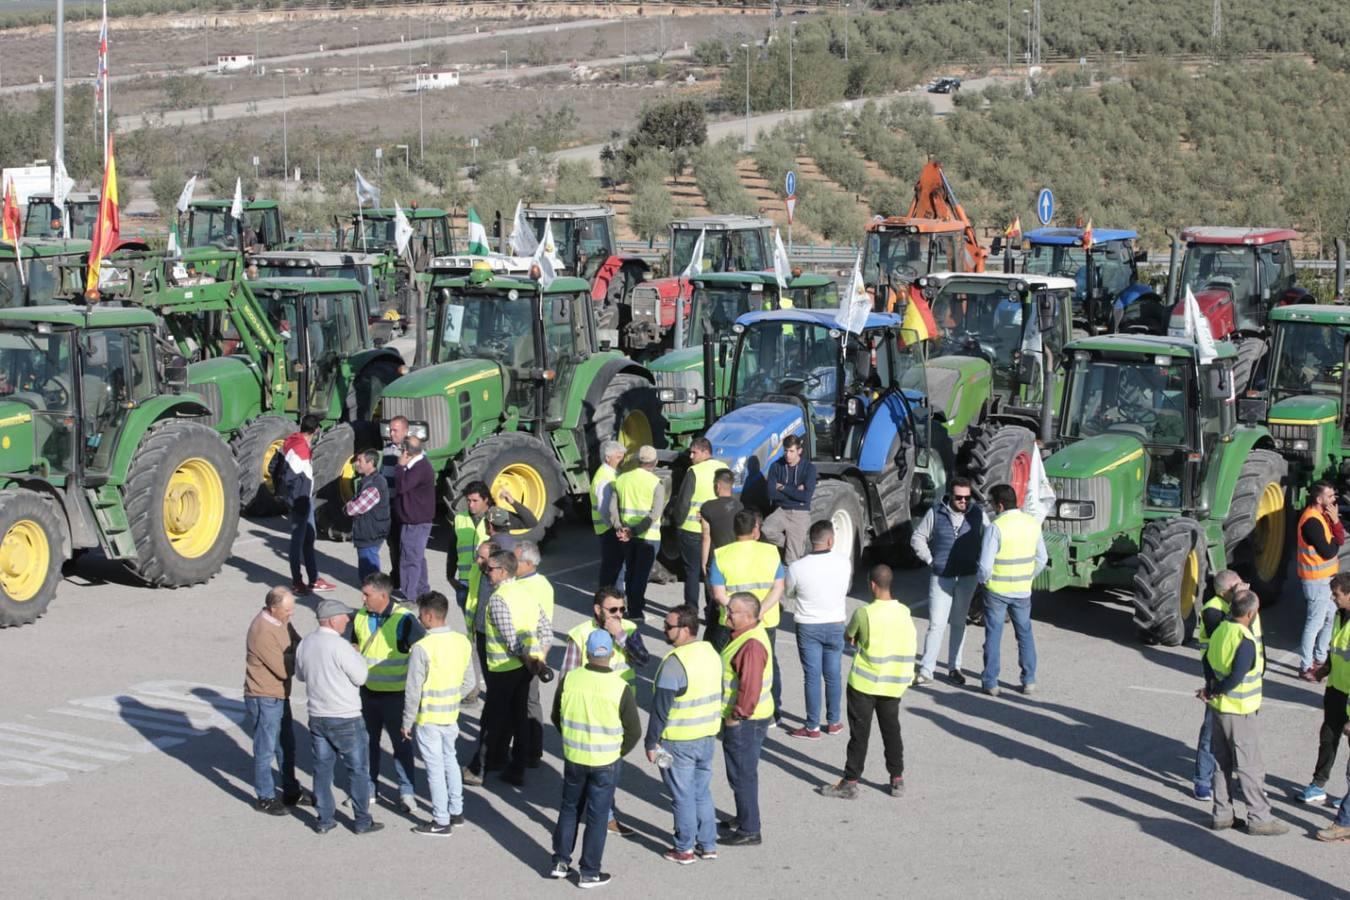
x=747, y=95
x=792, y=39
x=1008, y=29
x=421, y=132
x=59, y=105
x=285, y=142
x=1036, y=46
x=846, y=6
x=1216, y=25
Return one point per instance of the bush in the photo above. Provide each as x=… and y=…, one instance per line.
x=575, y=183
x=676, y=126
x=651, y=211
x=714, y=167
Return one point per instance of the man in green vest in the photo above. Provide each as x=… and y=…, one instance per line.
x=1226, y=586
x=384, y=634
x=519, y=635
x=1334, y=702
x=681, y=733
x=1012, y=554
x=754, y=566
x=1233, y=674
x=602, y=494
x=696, y=489
x=635, y=514
x=883, y=669
x=747, y=710
x=440, y=673
x=597, y=715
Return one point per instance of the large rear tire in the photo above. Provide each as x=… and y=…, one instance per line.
x=526, y=467
x=1250, y=352
x=1002, y=455
x=1173, y=567
x=628, y=411
x=31, y=541
x=254, y=448
x=182, y=504
x=837, y=502
x=334, y=481
x=1255, y=533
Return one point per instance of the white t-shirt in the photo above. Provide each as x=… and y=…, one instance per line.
x=820, y=583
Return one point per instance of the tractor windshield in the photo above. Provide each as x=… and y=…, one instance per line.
x=372, y=235
x=1221, y=266
x=898, y=257
x=1143, y=399
x=723, y=251
x=487, y=326
x=715, y=308
x=36, y=369
x=1309, y=359
x=825, y=296
x=1054, y=259
x=979, y=318
x=44, y=219
x=216, y=227
x=564, y=239
x=42, y=277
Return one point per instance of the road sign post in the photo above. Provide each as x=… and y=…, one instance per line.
x=790, y=198
x=1045, y=206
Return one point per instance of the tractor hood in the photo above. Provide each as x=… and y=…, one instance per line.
x=688, y=359
x=16, y=437
x=750, y=438
x=1304, y=410
x=444, y=379
x=1094, y=456
x=1099, y=486
x=1216, y=304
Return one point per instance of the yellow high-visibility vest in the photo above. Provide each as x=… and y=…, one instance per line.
x=885, y=667
x=388, y=666
x=703, y=474
x=1340, y=654
x=731, y=682
x=618, y=661
x=524, y=609
x=752, y=567
x=592, y=725
x=468, y=535
x=696, y=713
x=448, y=654
x=1015, y=565
x=1202, y=637
x=636, y=490
x=1246, y=697
x=603, y=476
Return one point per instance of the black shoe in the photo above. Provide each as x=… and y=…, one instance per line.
x=728, y=825
x=955, y=677
x=534, y=764
x=457, y=819
x=373, y=827
x=431, y=829
x=303, y=798
x=742, y=839
x=594, y=881
x=514, y=778
x=320, y=828
x=272, y=807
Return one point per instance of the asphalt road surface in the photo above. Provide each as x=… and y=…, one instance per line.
x=124, y=770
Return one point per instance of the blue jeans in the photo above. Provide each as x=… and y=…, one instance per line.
x=995, y=607
x=689, y=780
x=444, y=780
x=343, y=739
x=741, y=745
x=821, y=645
x=1205, y=764
x=367, y=561
x=273, y=735
x=948, y=605
x=383, y=710
x=1312, y=649
x=302, y=541
x=587, y=792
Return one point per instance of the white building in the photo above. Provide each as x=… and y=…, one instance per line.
x=236, y=63
x=435, y=81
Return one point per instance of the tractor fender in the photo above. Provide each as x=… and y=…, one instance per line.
x=1216, y=304
x=885, y=420
x=363, y=358
x=596, y=373
x=1226, y=466
x=77, y=529
x=1133, y=294
x=144, y=416
x=614, y=267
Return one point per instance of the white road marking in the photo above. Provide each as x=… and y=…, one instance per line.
x=135, y=722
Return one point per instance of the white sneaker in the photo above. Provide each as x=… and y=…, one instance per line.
x=408, y=802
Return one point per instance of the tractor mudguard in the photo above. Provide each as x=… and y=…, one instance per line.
x=1224, y=466
x=140, y=419
x=886, y=420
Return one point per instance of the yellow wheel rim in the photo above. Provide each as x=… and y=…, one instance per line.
x=268, y=454
x=194, y=507
x=25, y=557
x=1190, y=584
x=526, y=485
x=635, y=431
x=347, y=479
x=1268, y=538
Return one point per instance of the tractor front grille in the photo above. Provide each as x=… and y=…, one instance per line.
x=645, y=304
x=1298, y=442
x=433, y=411
x=1097, y=490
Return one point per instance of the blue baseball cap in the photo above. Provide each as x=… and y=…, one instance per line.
x=599, y=645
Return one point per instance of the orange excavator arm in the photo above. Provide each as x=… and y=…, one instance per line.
x=935, y=199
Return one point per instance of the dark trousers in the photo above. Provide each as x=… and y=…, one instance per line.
x=691, y=554
x=588, y=792
x=383, y=711
x=777, y=690
x=476, y=763
x=611, y=559
x=506, y=716
x=741, y=746
x=860, y=709
x=1329, y=739
x=412, y=560
x=395, y=542
x=638, y=558
x=302, y=541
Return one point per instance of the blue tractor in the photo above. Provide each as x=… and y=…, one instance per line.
x=1109, y=295
x=859, y=402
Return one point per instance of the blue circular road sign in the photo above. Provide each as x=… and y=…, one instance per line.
x=790, y=183
x=1045, y=206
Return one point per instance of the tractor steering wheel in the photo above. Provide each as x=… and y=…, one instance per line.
x=904, y=270
x=56, y=393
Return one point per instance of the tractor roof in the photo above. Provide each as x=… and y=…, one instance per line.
x=94, y=316
x=1315, y=313
x=721, y=223
x=420, y=212
x=316, y=258
x=46, y=247
x=568, y=211
x=500, y=264
x=72, y=197
x=737, y=279
x=306, y=285
x=217, y=205
x=1073, y=237
x=1180, y=347
x=1035, y=282
x=1247, y=236
x=825, y=318
x=504, y=283
x=907, y=225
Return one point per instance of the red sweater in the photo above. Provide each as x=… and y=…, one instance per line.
x=749, y=664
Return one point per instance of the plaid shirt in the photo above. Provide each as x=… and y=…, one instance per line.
x=363, y=502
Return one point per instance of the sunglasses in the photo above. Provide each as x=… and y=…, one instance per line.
x=615, y=609
x=960, y=498
x=493, y=568
x=671, y=626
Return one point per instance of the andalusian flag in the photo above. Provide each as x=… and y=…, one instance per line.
x=11, y=226
x=107, y=226
x=478, y=239
x=918, y=323
x=174, y=249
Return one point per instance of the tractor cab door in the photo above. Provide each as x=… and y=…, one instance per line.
x=567, y=342
x=434, y=237
x=266, y=227
x=43, y=219
x=782, y=362
x=1048, y=332
x=332, y=334
x=38, y=370
x=117, y=372
x=942, y=256
x=594, y=246
x=743, y=251
x=1276, y=264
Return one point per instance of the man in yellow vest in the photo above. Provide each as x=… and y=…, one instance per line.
x=384, y=634
x=483, y=580
x=747, y=710
x=681, y=731
x=1334, y=701
x=1012, y=554
x=751, y=565
x=635, y=513
x=602, y=494
x=440, y=673
x=1233, y=674
x=883, y=669
x=695, y=490
x=519, y=635
x=1318, y=539
x=470, y=524
x=597, y=715
x=528, y=559
x=1227, y=584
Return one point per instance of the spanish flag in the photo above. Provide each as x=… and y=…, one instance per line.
x=918, y=323
x=1087, y=236
x=1015, y=229
x=107, y=226
x=11, y=226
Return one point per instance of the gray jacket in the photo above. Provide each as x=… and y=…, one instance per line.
x=333, y=672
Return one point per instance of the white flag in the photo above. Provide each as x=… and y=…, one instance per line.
x=1040, y=497
x=237, y=207
x=1032, y=342
x=695, y=264
x=367, y=194
x=550, y=244
x=1198, y=330
x=522, y=240
x=782, y=266
x=61, y=185
x=185, y=198
x=856, y=305
x=403, y=230
x=543, y=256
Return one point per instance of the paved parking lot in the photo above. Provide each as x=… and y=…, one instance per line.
x=124, y=770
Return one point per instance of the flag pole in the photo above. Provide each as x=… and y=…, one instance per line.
x=106, y=86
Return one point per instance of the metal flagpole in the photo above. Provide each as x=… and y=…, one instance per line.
x=103, y=73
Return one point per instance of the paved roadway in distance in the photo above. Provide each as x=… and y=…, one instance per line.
x=123, y=771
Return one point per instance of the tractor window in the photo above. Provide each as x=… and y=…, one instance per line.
x=942, y=254
x=117, y=370
x=564, y=246
x=791, y=362
x=83, y=215
x=822, y=297
x=592, y=238
x=1220, y=266
x=378, y=235
x=432, y=234
x=36, y=370
x=488, y=326
x=1308, y=359
x=893, y=256
x=345, y=311
x=979, y=318
x=281, y=312
x=1054, y=259
x=682, y=250
x=1146, y=401
x=42, y=283
x=716, y=310
x=1277, y=269
x=43, y=219
x=1114, y=268
x=207, y=227
x=745, y=252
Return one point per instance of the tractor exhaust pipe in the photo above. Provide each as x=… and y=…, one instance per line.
x=1340, y=270
x=1173, y=260
x=417, y=314
x=709, y=382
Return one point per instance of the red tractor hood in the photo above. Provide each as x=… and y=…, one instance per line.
x=1216, y=305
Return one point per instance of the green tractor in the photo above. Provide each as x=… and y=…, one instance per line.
x=102, y=447
x=718, y=300
x=209, y=224
x=372, y=232
x=47, y=274
x=520, y=393
x=1157, y=483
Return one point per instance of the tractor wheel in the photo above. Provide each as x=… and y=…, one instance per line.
x=526, y=467
x=1256, y=530
x=31, y=540
x=253, y=448
x=838, y=503
x=896, y=490
x=368, y=387
x=1002, y=455
x=335, y=480
x=1172, y=571
x=182, y=503
x=1250, y=352
x=628, y=411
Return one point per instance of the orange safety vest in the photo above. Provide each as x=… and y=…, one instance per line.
x=1311, y=565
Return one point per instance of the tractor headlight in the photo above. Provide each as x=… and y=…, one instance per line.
x=677, y=395
x=1075, y=509
x=1300, y=444
x=855, y=407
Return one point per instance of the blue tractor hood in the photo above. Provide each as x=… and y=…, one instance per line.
x=749, y=438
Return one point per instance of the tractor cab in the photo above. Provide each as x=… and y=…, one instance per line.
x=719, y=299
x=373, y=231
x=1105, y=269
x=731, y=243
x=209, y=224
x=1238, y=275
x=359, y=267
x=900, y=250
x=45, y=220
x=52, y=270
x=582, y=234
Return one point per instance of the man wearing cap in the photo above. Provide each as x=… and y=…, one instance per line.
x=602, y=493
x=597, y=715
x=477, y=522
x=333, y=672
x=696, y=489
x=635, y=514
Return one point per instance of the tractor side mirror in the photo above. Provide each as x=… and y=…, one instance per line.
x=560, y=311
x=721, y=355
x=176, y=378
x=1218, y=384
x=1141, y=256
x=1046, y=310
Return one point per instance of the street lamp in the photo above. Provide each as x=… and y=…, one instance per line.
x=846, y=7
x=746, y=48
x=1008, y=32
x=1027, y=13
x=357, y=29
x=285, y=144
x=407, y=155
x=421, y=133
x=792, y=39
x=507, y=63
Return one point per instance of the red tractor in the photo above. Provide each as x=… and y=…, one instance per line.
x=1238, y=275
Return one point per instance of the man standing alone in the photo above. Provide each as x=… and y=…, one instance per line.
x=948, y=540
x=297, y=488
x=268, y=666
x=792, y=484
x=369, y=512
x=415, y=502
x=1319, y=539
x=1012, y=554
